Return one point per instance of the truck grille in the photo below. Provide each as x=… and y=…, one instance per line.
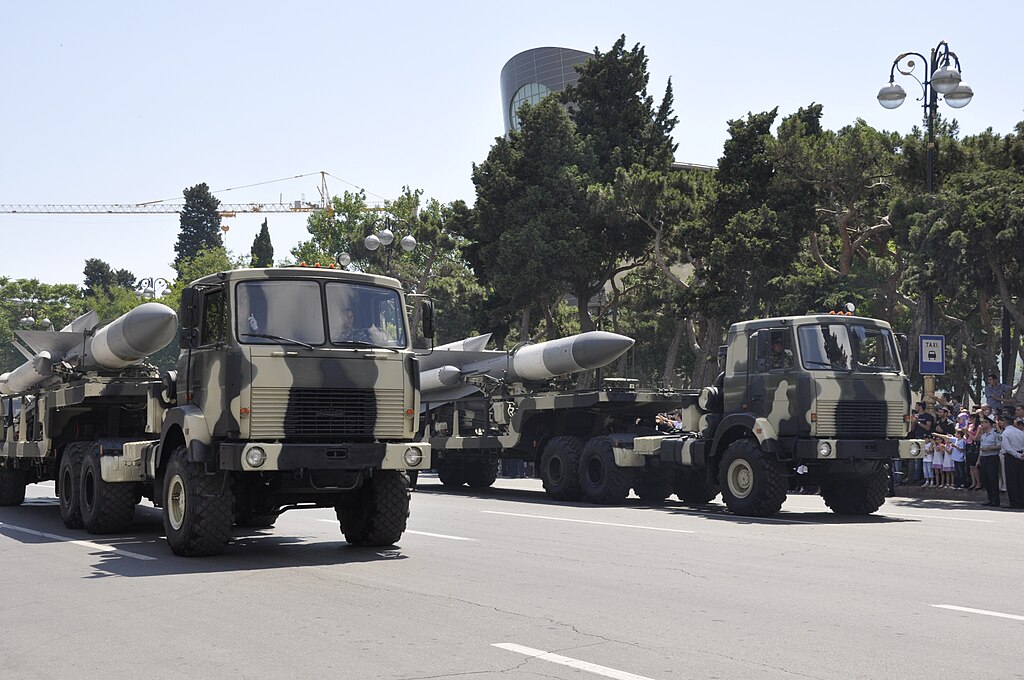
x=859, y=420
x=323, y=414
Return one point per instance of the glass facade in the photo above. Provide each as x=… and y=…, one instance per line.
x=530, y=75
x=530, y=93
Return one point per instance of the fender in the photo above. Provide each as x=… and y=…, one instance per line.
x=730, y=423
x=195, y=429
x=766, y=435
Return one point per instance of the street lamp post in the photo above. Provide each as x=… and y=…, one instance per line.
x=152, y=287
x=386, y=239
x=941, y=77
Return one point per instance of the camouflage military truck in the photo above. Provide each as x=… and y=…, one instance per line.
x=564, y=432
x=295, y=388
x=811, y=401
x=808, y=401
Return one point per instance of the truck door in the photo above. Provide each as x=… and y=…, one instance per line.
x=771, y=382
x=206, y=362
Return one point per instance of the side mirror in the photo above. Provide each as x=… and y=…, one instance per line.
x=904, y=346
x=428, y=318
x=189, y=315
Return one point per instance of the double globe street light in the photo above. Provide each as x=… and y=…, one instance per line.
x=385, y=238
x=942, y=76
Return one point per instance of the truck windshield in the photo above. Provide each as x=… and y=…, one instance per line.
x=279, y=311
x=847, y=347
x=365, y=315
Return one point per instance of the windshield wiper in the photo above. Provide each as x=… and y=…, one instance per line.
x=361, y=343
x=279, y=338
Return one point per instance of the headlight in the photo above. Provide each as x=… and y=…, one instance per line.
x=824, y=449
x=255, y=457
x=915, y=449
x=413, y=457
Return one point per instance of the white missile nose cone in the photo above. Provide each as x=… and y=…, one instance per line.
x=150, y=325
x=599, y=348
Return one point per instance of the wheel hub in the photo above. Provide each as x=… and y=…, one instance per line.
x=176, y=502
x=741, y=478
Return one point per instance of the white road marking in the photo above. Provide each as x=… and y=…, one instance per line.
x=983, y=612
x=955, y=519
x=587, y=521
x=784, y=519
x=570, y=662
x=419, y=533
x=87, y=544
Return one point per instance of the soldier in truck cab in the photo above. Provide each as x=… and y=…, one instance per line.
x=778, y=355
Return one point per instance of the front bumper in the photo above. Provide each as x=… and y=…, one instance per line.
x=867, y=449
x=323, y=456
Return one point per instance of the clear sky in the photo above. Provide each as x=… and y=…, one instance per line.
x=124, y=102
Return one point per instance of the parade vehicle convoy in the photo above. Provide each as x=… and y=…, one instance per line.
x=818, y=400
x=295, y=388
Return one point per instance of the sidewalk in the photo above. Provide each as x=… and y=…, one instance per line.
x=917, y=491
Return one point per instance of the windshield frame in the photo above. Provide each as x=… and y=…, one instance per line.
x=819, y=357
x=314, y=325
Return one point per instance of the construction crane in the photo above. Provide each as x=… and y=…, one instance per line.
x=162, y=207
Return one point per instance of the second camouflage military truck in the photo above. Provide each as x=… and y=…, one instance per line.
x=295, y=387
x=803, y=401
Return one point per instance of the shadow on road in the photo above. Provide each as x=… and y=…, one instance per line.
x=711, y=511
x=249, y=549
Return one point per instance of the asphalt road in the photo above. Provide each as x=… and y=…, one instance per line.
x=504, y=584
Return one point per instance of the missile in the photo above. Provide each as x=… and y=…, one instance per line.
x=132, y=337
x=440, y=378
x=443, y=377
x=125, y=341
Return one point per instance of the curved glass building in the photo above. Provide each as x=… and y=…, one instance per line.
x=531, y=75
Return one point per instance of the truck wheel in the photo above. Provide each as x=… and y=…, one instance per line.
x=857, y=496
x=752, y=485
x=380, y=511
x=451, y=473
x=693, y=487
x=481, y=474
x=69, y=476
x=560, y=468
x=198, y=507
x=601, y=480
x=106, y=507
x=12, y=486
x=653, y=486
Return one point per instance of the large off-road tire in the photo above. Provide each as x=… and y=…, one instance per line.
x=451, y=473
x=12, y=486
x=560, y=468
x=857, y=496
x=69, y=480
x=378, y=514
x=198, y=507
x=693, y=488
x=107, y=508
x=481, y=474
x=752, y=484
x=601, y=480
x=653, y=486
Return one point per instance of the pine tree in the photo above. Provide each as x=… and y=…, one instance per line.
x=262, y=248
x=200, y=224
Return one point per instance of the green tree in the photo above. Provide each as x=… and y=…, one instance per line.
x=100, y=276
x=35, y=303
x=200, y=225
x=262, y=248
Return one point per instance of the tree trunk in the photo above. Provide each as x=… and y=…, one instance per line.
x=668, y=376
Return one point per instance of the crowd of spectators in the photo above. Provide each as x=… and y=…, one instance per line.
x=972, y=449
